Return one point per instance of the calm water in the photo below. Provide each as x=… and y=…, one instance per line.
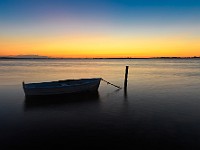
x=160, y=109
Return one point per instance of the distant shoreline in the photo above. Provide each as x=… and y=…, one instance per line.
x=46, y=58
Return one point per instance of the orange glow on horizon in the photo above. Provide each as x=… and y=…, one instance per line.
x=90, y=46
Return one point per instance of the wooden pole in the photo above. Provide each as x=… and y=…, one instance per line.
x=126, y=78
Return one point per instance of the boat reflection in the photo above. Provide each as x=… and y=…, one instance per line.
x=59, y=100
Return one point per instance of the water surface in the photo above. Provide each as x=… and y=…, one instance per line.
x=161, y=107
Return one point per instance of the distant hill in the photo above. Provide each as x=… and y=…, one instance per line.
x=30, y=56
x=24, y=57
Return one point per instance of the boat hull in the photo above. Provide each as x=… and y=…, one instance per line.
x=77, y=86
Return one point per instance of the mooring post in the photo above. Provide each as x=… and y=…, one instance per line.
x=126, y=78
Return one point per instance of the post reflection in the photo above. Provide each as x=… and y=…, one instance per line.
x=125, y=94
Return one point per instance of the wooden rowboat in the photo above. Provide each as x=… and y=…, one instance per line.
x=61, y=87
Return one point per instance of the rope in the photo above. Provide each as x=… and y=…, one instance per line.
x=111, y=84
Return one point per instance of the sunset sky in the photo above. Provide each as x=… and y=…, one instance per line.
x=100, y=28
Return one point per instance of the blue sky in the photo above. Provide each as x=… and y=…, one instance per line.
x=121, y=18
x=99, y=15
x=23, y=9
x=107, y=14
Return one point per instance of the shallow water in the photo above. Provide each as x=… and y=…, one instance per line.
x=161, y=107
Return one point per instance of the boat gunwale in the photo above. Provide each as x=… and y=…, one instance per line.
x=25, y=86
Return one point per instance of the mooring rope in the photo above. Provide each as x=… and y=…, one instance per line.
x=111, y=84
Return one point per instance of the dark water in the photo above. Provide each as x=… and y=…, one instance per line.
x=161, y=108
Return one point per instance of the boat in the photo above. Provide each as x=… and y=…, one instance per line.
x=62, y=87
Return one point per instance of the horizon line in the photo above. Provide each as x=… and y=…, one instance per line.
x=47, y=57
